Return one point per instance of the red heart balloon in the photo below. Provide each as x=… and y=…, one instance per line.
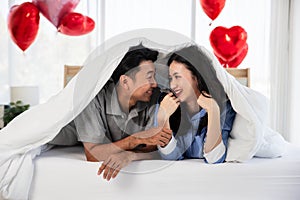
x=237, y=60
x=54, y=10
x=75, y=24
x=23, y=24
x=212, y=8
x=228, y=43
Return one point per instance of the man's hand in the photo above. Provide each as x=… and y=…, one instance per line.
x=155, y=136
x=114, y=163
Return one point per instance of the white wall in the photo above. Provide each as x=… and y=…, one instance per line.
x=295, y=72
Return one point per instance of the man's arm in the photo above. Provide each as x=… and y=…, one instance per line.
x=99, y=152
x=112, y=166
x=152, y=137
x=115, y=162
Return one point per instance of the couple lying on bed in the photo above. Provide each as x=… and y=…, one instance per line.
x=130, y=118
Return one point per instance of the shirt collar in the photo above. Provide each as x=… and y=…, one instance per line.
x=198, y=115
x=113, y=106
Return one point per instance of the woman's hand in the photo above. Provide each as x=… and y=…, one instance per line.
x=207, y=102
x=169, y=104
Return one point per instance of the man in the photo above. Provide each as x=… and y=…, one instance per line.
x=116, y=125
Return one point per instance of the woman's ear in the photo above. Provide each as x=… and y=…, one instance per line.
x=123, y=82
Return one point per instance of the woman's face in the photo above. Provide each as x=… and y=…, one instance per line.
x=183, y=82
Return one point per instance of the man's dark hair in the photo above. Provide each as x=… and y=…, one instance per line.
x=132, y=59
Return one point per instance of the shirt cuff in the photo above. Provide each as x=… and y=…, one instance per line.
x=215, y=154
x=169, y=148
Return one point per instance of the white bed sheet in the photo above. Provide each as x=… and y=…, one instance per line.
x=63, y=173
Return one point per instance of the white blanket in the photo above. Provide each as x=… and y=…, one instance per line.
x=25, y=137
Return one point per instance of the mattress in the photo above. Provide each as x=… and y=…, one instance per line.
x=63, y=173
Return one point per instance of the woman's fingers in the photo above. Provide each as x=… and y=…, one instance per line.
x=170, y=104
x=164, y=137
x=206, y=102
x=167, y=130
x=164, y=140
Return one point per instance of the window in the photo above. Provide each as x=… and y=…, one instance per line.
x=42, y=63
x=254, y=17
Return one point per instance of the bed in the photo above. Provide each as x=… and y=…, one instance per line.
x=63, y=173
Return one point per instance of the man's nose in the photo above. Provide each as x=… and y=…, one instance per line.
x=153, y=83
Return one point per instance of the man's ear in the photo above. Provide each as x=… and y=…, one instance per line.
x=123, y=81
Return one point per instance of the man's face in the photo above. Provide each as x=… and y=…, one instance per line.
x=144, y=82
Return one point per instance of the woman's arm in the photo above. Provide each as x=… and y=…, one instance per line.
x=218, y=130
x=213, y=135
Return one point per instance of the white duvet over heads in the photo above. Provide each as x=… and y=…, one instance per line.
x=25, y=137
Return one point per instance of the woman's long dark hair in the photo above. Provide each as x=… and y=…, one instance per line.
x=201, y=66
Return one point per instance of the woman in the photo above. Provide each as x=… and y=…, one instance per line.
x=199, y=112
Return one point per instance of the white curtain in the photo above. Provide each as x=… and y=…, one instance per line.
x=294, y=47
x=280, y=67
x=4, y=73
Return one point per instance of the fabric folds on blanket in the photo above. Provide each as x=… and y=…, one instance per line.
x=250, y=135
x=25, y=137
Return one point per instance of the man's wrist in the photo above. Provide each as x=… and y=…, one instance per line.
x=134, y=141
x=129, y=154
x=132, y=155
